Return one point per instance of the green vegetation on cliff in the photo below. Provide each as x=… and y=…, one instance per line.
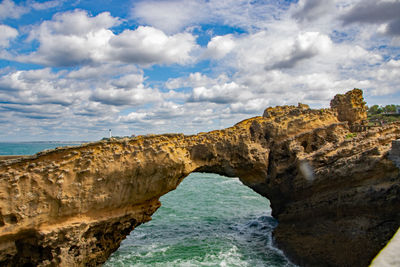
x=383, y=114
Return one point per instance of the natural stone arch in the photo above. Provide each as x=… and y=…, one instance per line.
x=75, y=205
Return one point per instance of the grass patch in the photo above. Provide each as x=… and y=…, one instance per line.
x=350, y=135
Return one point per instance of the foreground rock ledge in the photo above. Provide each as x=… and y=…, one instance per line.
x=336, y=194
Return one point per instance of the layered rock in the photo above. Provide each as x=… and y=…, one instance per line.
x=334, y=194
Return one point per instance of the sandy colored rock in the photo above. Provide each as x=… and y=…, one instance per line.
x=335, y=197
x=350, y=106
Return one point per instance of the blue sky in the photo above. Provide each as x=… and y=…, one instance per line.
x=70, y=70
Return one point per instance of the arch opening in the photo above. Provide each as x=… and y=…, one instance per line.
x=209, y=219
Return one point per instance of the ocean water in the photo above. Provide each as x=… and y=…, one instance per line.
x=30, y=148
x=209, y=220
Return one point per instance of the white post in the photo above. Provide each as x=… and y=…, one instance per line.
x=110, y=132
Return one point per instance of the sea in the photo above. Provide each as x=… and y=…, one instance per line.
x=209, y=220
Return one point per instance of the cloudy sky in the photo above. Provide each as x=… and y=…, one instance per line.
x=70, y=70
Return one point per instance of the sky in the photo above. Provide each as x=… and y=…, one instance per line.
x=71, y=70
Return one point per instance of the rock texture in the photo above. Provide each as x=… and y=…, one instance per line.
x=335, y=195
x=350, y=106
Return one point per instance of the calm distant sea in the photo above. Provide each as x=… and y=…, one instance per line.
x=209, y=220
x=30, y=148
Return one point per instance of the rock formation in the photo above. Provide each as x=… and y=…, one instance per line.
x=335, y=194
x=350, y=106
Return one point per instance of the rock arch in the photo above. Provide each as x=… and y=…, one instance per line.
x=75, y=205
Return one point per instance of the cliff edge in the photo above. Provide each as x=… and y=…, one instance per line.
x=335, y=193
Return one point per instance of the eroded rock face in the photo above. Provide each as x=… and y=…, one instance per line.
x=336, y=198
x=350, y=106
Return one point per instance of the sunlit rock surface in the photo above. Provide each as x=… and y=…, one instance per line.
x=335, y=194
x=350, y=106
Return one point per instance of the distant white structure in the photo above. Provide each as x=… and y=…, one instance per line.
x=109, y=130
x=398, y=109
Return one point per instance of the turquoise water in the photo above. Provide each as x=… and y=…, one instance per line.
x=30, y=148
x=209, y=220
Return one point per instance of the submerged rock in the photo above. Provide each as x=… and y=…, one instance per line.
x=334, y=193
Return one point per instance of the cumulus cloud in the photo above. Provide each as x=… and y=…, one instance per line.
x=253, y=106
x=175, y=15
x=288, y=52
x=306, y=46
x=43, y=86
x=313, y=9
x=220, y=93
x=7, y=33
x=196, y=79
x=164, y=111
x=60, y=98
x=8, y=9
x=378, y=12
x=130, y=96
x=147, y=45
x=76, y=23
x=188, y=115
x=102, y=72
x=46, y=5
x=75, y=38
x=170, y=16
x=36, y=87
x=220, y=46
x=71, y=38
x=283, y=65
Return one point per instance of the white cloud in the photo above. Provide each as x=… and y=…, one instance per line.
x=6, y=34
x=170, y=16
x=187, y=117
x=377, y=12
x=220, y=46
x=175, y=15
x=102, y=72
x=159, y=115
x=129, y=81
x=54, y=98
x=252, y=106
x=76, y=23
x=394, y=63
x=132, y=96
x=8, y=9
x=305, y=46
x=313, y=9
x=74, y=38
x=221, y=93
x=287, y=53
x=196, y=79
x=46, y=5
x=147, y=45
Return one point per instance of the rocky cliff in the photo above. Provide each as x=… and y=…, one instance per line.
x=335, y=194
x=350, y=106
